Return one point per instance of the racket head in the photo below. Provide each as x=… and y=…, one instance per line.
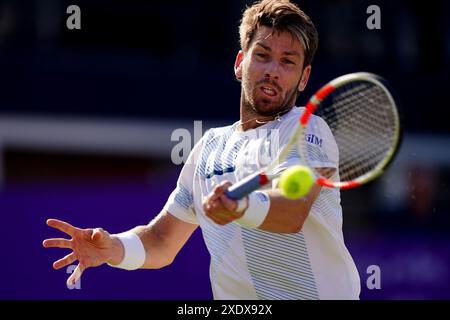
x=350, y=130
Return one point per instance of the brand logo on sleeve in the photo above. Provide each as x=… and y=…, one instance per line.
x=311, y=138
x=262, y=196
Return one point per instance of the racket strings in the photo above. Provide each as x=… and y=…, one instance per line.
x=362, y=120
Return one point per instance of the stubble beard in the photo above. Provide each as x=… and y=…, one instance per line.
x=251, y=106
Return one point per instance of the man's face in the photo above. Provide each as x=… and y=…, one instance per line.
x=271, y=71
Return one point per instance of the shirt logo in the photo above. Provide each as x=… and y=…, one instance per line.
x=311, y=138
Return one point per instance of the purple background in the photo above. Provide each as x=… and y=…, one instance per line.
x=27, y=271
x=412, y=266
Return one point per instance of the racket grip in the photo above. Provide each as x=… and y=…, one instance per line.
x=247, y=185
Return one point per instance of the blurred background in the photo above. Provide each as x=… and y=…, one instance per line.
x=87, y=121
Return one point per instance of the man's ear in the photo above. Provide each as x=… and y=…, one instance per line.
x=238, y=65
x=305, y=77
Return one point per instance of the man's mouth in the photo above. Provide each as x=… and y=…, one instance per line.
x=270, y=92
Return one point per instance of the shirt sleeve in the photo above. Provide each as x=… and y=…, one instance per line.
x=322, y=150
x=181, y=201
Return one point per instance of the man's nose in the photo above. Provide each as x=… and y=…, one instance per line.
x=272, y=70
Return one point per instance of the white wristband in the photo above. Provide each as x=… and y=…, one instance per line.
x=258, y=208
x=134, y=251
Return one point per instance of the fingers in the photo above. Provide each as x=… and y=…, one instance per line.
x=218, y=207
x=210, y=204
x=57, y=243
x=75, y=275
x=62, y=226
x=215, y=213
x=64, y=261
x=229, y=204
x=219, y=213
x=220, y=190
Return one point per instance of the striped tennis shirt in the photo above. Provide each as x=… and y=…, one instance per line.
x=253, y=264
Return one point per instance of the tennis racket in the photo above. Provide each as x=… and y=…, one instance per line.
x=361, y=114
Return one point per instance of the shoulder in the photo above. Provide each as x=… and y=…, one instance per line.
x=292, y=119
x=209, y=140
x=218, y=132
x=221, y=130
x=212, y=138
x=316, y=129
x=293, y=116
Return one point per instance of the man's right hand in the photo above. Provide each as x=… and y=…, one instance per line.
x=91, y=247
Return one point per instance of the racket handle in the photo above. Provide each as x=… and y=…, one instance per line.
x=247, y=185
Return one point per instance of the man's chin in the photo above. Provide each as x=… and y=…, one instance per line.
x=268, y=109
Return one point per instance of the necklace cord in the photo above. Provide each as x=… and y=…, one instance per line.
x=277, y=117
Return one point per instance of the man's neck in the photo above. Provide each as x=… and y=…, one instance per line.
x=252, y=120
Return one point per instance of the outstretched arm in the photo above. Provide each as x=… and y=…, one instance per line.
x=162, y=238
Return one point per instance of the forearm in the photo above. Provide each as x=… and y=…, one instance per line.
x=162, y=239
x=288, y=216
x=157, y=253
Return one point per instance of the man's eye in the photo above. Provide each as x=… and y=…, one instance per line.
x=289, y=62
x=261, y=55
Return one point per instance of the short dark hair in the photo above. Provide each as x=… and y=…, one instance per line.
x=281, y=15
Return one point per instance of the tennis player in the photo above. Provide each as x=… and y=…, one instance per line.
x=265, y=246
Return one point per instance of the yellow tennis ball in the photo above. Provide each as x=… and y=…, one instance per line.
x=296, y=181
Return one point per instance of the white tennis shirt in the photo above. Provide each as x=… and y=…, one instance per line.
x=253, y=264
